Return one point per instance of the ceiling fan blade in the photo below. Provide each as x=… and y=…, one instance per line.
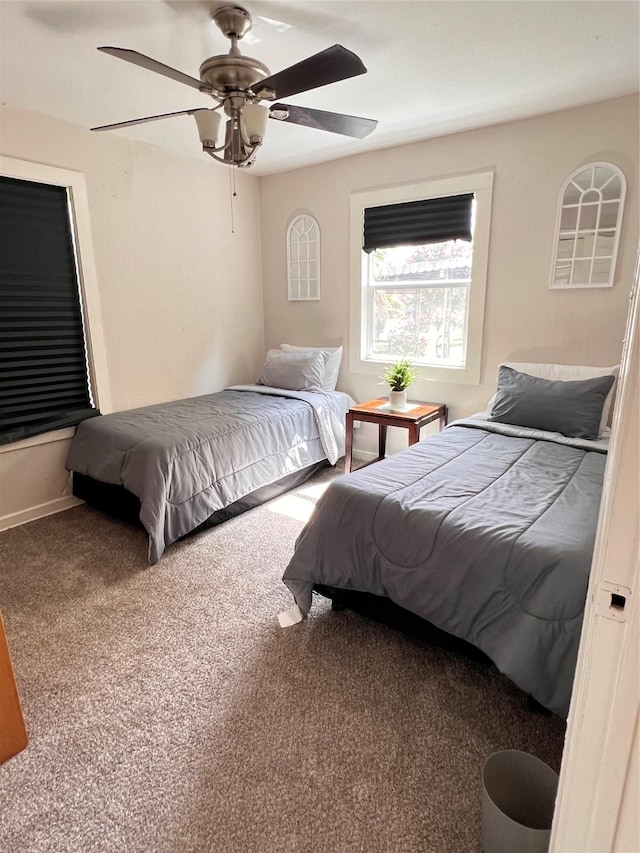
x=329, y=66
x=321, y=120
x=144, y=120
x=153, y=65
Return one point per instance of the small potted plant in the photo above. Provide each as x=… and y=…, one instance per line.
x=398, y=377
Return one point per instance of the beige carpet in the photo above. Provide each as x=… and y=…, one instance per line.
x=167, y=711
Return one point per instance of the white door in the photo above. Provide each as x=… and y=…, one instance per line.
x=597, y=809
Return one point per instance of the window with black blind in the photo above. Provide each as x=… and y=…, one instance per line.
x=418, y=273
x=44, y=378
x=419, y=256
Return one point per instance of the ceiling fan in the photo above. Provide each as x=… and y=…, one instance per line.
x=240, y=83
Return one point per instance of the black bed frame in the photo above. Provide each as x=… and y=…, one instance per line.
x=389, y=613
x=123, y=504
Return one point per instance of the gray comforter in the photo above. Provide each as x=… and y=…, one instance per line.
x=187, y=459
x=487, y=535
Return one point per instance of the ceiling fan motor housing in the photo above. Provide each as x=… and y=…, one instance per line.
x=232, y=73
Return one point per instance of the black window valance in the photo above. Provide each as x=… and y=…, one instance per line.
x=43, y=363
x=414, y=223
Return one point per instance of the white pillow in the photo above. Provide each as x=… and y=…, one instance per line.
x=332, y=367
x=293, y=371
x=570, y=373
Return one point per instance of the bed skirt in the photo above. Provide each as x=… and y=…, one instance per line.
x=123, y=504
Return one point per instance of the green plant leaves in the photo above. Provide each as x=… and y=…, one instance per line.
x=400, y=375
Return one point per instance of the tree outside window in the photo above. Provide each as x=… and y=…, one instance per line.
x=418, y=302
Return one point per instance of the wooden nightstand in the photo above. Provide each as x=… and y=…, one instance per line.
x=413, y=418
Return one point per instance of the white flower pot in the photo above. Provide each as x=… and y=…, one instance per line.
x=397, y=399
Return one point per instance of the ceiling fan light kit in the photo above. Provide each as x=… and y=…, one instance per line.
x=239, y=83
x=208, y=122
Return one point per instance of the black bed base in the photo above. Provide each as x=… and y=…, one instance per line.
x=388, y=613
x=123, y=504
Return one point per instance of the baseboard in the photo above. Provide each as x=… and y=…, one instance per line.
x=40, y=511
x=365, y=455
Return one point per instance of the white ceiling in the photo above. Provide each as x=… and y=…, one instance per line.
x=434, y=66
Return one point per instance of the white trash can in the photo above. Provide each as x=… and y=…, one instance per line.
x=518, y=799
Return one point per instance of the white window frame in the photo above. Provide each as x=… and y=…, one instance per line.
x=481, y=184
x=303, y=258
x=26, y=170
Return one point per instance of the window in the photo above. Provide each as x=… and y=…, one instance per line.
x=47, y=364
x=588, y=227
x=419, y=260
x=303, y=258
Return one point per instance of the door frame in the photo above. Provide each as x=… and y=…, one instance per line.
x=596, y=806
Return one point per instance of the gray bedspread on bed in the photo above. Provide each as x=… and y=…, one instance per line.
x=486, y=535
x=187, y=459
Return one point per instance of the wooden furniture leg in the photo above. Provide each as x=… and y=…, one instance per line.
x=348, y=442
x=382, y=440
x=13, y=734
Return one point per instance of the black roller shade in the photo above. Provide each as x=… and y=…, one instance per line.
x=414, y=223
x=43, y=365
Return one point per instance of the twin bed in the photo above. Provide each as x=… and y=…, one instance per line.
x=182, y=465
x=486, y=530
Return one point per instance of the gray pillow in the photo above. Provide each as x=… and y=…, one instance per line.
x=572, y=408
x=294, y=371
x=332, y=367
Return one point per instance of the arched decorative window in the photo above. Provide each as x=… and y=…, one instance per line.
x=588, y=227
x=303, y=258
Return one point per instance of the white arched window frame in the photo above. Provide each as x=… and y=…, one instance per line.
x=303, y=258
x=588, y=225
